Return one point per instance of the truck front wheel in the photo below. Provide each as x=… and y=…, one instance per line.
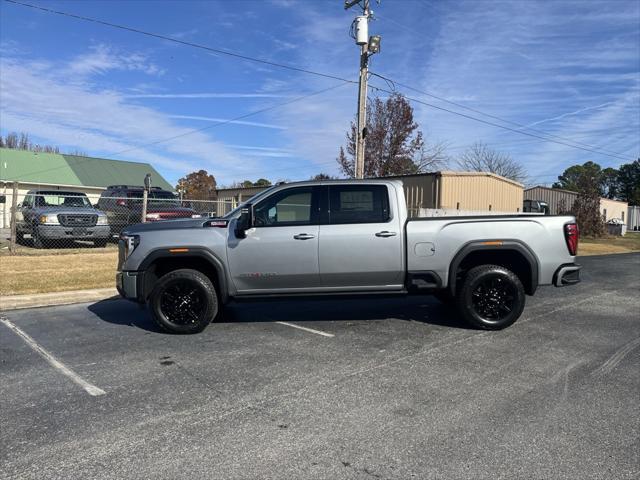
x=491, y=297
x=183, y=301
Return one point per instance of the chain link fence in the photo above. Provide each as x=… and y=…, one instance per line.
x=47, y=221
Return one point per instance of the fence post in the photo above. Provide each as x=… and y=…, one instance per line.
x=145, y=197
x=12, y=222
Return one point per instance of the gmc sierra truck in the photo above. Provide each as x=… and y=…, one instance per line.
x=343, y=237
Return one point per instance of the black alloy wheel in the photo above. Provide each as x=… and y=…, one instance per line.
x=490, y=297
x=494, y=298
x=183, y=301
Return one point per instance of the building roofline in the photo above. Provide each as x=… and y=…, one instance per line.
x=19, y=182
x=71, y=155
x=551, y=188
x=452, y=173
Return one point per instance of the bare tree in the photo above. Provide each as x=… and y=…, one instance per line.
x=394, y=145
x=11, y=140
x=24, y=143
x=480, y=158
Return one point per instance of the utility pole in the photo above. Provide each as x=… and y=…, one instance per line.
x=368, y=46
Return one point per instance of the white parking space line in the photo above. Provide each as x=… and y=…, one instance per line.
x=310, y=330
x=53, y=361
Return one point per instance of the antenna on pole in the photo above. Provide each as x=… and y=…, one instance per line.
x=368, y=46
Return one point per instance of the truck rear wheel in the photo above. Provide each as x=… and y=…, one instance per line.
x=183, y=301
x=491, y=297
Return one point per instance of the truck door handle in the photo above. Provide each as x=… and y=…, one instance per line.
x=386, y=234
x=304, y=236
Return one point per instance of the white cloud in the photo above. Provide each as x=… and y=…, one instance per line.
x=34, y=99
x=103, y=58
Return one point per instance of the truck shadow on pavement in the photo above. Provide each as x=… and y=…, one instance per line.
x=423, y=309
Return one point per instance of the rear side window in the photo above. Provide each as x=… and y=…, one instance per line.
x=358, y=204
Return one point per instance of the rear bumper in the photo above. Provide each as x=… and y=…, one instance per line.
x=129, y=285
x=567, y=274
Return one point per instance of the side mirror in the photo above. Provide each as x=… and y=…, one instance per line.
x=245, y=221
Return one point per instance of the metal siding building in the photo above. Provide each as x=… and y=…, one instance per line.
x=555, y=198
x=611, y=209
x=479, y=191
x=633, y=219
x=230, y=198
x=470, y=191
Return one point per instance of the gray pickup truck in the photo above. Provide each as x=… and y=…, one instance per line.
x=343, y=237
x=54, y=217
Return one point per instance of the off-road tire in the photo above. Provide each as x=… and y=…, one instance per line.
x=100, y=243
x=491, y=297
x=183, y=301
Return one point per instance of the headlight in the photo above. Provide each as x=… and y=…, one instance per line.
x=49, y=220
x=130, y=242
x=102, y=220
x=195, y=215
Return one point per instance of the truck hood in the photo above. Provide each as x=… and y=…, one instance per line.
x=181, y=223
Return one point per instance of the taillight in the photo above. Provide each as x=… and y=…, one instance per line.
x=571, y=235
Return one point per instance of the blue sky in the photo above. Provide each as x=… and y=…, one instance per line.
x=570, y=69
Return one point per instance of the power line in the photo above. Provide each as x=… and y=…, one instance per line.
x=217, y=124
x=486, y=122
x=495, y=117
x=231, y=120
x=181, y=42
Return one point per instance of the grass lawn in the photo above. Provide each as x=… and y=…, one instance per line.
x=57, y=271
x=601, y=246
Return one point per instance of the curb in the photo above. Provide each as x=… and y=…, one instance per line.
x=18, y=302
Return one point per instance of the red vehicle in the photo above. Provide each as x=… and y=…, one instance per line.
x=123, y=206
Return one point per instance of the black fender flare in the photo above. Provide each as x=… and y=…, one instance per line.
x=189, y=252
x=494, y=245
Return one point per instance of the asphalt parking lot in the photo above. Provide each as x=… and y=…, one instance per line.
x=370, y=389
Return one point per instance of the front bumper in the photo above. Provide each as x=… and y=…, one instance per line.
x=129, y=285
x=567, y=274
x=60, y=232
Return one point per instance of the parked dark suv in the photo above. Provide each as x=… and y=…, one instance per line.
x=123, y=206
x=54, y=216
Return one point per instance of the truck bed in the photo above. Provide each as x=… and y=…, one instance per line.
x=433, y=242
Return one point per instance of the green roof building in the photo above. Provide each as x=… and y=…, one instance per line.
x=67, y=172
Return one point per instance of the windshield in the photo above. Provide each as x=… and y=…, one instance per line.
x=236, y=211
x=62, y=199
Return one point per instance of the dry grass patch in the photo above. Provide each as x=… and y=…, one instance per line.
x=606, y=245
x=57, y=272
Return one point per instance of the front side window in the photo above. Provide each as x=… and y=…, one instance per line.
x=358, y=204
x=288, y=207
